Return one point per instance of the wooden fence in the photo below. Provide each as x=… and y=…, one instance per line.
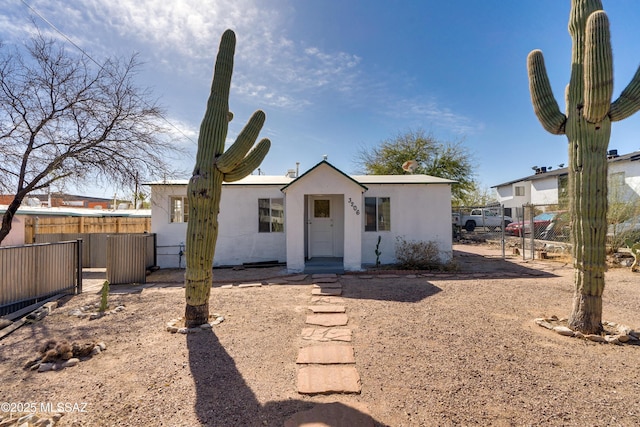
x=32, y=273
x=84, y=224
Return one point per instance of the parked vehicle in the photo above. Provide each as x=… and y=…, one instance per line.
x=558, y=229
x=540, y=223
x=480, y=218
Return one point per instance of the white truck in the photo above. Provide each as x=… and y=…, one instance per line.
x=479, y=217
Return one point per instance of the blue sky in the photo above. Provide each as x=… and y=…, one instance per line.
x=335, y=76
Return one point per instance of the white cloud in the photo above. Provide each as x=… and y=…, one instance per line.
x=428, y=113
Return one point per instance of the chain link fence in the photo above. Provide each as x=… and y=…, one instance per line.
x=480, y=224
x=543, y=231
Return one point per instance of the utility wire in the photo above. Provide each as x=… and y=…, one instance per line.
x=67, y=38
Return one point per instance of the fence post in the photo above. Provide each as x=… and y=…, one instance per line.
x=79, y=266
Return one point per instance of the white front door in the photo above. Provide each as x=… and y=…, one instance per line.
x=321, y=230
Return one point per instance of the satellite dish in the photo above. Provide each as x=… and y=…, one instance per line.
x=409, y=166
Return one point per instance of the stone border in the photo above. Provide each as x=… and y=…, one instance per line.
x=623, y=333
x=171, y=325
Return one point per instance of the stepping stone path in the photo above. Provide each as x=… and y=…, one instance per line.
x=328, y=365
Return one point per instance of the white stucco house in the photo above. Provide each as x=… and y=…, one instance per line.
x=323, y=213
x=546, y=187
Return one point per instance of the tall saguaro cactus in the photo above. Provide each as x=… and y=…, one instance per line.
x=587, y=125
x=213, y=166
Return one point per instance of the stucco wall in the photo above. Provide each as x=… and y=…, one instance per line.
x=16, y=235
x=238, y=238
x=418, y=213
x=545, y=191
x=324, y=180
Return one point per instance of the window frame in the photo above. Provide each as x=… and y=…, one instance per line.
x=274, y=225
x=381, y=223
x=184, y=209
x=519, y=191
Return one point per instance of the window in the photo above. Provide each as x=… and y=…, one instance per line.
x=321, y=209
x=377, y=214
x=179, y=209
x=519, y=191
x=270, y=215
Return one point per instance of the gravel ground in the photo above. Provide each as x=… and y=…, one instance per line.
x=455, y=348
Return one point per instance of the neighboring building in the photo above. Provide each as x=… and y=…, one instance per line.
x=59, y=200
x=548, y=187
x=323, y=213
x=31, y=220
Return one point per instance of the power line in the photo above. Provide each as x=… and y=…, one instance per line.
x=67, y=38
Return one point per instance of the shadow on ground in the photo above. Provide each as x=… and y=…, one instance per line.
x=223, y=398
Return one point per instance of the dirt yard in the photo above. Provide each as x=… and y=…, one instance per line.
x=455, y=348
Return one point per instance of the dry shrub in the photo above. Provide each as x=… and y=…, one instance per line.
x=418, y=255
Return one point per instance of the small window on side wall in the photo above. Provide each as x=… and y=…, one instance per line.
x=519, y=191
x=179, y=209
x=270, y=215
x=377, y=214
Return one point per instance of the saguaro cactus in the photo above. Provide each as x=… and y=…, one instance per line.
x=213, y=166
x=587, y=125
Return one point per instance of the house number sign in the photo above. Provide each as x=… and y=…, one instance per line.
x=354, y=206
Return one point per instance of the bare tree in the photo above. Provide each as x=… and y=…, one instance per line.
x=64, y=119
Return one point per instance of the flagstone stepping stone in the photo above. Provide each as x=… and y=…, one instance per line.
x=326, y=291
x=327, y=308
x=388, y=276
x=365, y=276
x=326, y=355
x=326, y=300
x=297, y=278
x=250, y=285
x=336, y=285
x=325, y=335
x=331, y=414
x=327, y=319
x=328, y=379
x=323, y=275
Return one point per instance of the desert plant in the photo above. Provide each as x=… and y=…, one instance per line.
x=378, y=252
x=213, y=166
x=417, y=255
x=634, y=247
x=587, y=125
x=104, y=296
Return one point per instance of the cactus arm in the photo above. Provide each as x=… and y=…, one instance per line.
x=544, y=103
x=250, y=162
x=598, y=68
x=247, y=137
x=629, y=100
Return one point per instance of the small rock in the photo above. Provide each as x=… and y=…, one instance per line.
x=76, y=312
x=564, y=331
x=206, y=326
x=612, y=339
x=71, y=362
x=119, y=308
x=623, y=338
x=172, y=329
x=102, y=346
x=44, y=423
x=226, y=286
x=44, y=367
x=544, y=323
x=96, y=350
x=27, y=419
x=595, y=338
x=218, y=320
x=56, y=417
x=183, y=330
x=578, y=334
